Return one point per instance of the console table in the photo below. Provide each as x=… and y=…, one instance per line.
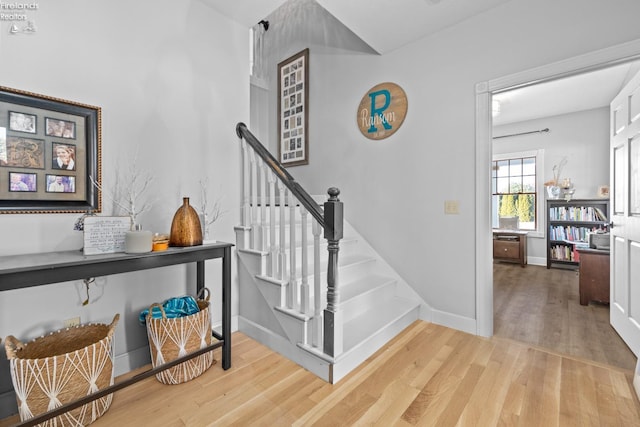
x=24, y=271
x=510, y=245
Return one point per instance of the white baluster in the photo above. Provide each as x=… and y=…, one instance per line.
x=304, y=283
x=317, y=290
x=293, y=286
x=246, y=213
x=263, y=208
x=282, y=259
x=255, y=221
x=273, y=248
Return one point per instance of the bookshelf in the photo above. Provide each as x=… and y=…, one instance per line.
x=568, y=224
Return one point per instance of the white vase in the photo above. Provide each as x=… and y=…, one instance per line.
x=553, y=191
x=137, y=240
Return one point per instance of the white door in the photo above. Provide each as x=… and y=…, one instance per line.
x=625, y=215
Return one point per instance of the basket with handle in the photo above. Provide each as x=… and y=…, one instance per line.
x=62, y=367
x=171, y=338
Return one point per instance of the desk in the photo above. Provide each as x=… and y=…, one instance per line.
x=510, y=245
x=24, y=271
x=594, y=276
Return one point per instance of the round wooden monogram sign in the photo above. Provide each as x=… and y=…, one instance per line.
x=382, y=111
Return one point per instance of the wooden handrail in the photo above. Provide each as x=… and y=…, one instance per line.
x=277, y=168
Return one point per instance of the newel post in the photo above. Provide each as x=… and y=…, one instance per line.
x=333, y=231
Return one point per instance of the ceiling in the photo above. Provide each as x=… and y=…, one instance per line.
x=570, y=94
x=384, y=25
x=408, y=20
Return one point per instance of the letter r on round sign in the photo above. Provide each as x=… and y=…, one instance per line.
x=379, y=111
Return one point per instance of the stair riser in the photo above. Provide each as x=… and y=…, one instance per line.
x=297, y=330
x=255, y=262
x=273, y=293
x=354, y=307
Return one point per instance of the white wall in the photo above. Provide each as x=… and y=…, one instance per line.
x=394, y=190
x=582, y=137
x=172, y=80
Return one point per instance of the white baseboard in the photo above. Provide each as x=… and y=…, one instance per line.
x=131, y=360
x=281, y=345
x=534, y=260
x=636, y=379
x=217, y=326
x=464, y=324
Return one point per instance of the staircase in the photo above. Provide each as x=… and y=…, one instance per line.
x=326, y=312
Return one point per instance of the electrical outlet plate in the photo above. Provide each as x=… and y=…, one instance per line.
x=70, y=323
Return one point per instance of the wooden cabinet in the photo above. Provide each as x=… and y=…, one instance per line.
x=594, y=276
x=510, y=245
x=568, y=223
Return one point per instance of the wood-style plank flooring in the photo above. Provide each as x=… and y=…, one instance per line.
x=429, y=375
x=541, y=306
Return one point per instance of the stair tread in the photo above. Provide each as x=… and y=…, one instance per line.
x=364, y=284
x=370, y=322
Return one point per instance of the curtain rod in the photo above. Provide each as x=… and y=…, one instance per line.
x=522, y=133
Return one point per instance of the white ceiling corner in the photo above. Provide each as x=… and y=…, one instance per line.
x=246, y=12
x=384, y=25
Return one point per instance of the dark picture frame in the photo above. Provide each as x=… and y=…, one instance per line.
x=293, y=110
x=33, y=155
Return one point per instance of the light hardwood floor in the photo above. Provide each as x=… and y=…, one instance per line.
x=429, y=375
x=541, y=306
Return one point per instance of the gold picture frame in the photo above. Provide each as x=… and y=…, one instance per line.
x=42, y=137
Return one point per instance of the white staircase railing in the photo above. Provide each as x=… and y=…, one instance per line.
x=267, y=184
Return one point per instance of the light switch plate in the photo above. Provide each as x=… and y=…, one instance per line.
x=451, y=207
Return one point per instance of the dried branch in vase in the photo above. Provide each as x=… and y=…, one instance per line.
x=208, y=213
x=129, y=188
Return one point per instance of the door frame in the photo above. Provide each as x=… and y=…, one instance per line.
x=592, y=61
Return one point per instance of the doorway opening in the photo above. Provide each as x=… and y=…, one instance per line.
x=573, y=68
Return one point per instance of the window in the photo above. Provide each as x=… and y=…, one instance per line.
x=514, y=186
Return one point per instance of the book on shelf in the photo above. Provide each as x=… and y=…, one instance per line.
x=563, y=253
x=600, y=215
x=576, y=213
x=571, y=232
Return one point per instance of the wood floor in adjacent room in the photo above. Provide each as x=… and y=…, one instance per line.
x=429, y=375
x=541, y=306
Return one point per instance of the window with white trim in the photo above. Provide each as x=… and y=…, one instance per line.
x=515, y=190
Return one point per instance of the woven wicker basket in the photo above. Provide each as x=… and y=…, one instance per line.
x=62, y=367
x=173, y=338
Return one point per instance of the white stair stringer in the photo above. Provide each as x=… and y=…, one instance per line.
x=376, y=304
